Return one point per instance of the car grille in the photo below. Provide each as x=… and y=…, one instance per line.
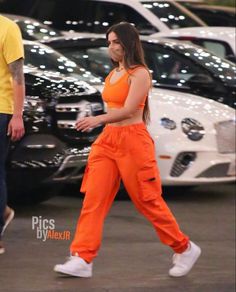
x=69, y=109
x=225, y=136
x=182, y=163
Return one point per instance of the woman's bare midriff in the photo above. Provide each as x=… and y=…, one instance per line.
x=135, y=119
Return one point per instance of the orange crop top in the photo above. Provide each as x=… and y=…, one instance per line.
x=115, y=94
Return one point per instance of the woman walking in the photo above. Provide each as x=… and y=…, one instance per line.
x=124, y=150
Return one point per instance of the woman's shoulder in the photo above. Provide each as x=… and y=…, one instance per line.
x=138, y=68
x=139, y=74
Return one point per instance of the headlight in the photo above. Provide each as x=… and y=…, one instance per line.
x=168, y=123
x=193, y=129
x=35, y=116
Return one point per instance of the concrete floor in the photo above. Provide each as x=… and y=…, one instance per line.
x=131, y=258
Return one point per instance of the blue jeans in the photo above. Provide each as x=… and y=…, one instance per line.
x=4, y=143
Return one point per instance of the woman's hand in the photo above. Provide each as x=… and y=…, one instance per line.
x=88, y=123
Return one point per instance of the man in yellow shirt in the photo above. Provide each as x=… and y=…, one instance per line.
x=12, y=92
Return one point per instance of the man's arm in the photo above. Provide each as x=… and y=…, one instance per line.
x=16, y=125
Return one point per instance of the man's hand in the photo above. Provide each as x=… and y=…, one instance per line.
x=16, y=128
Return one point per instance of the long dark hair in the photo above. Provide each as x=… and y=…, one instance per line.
x=129, y=39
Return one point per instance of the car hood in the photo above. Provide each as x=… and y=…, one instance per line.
x=49, y=84
x=181, y=105
x=226, y=34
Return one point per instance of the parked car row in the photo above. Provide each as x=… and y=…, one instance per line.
x=168, y=18
x=192, y=146
x=96, y=15
x=194, y=136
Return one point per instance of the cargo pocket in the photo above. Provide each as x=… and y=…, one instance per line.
x=150, y=184
x=83, y=187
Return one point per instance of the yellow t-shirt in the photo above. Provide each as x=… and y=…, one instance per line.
x=11, y=49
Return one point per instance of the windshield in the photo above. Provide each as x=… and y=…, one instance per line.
x=95, y=60
x=33, y=30
x=170, y=14
x=48, y=60
x=221, y=68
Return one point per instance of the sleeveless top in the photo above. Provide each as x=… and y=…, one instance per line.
x=115, y=94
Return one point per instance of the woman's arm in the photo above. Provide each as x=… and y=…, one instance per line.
x=139, y=87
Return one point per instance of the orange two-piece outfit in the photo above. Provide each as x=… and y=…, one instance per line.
x=127, y=153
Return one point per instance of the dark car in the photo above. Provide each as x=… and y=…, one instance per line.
x=32, y=29
x=174, y=65
x=214, y=15
x=52, y=152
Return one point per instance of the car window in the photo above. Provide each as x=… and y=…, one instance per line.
x=215, y=18
x=18, y=7
x=171, y=64
x=95, y=60
x=170, y=68
x=109, y=13
x=170, y=14
x=219, y=48
x=167, y=66
x=218, y=67
x=65, y=15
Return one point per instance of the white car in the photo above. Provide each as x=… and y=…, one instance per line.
x=220, y=40
x=194, y=138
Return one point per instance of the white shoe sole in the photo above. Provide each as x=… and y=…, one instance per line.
x=81, y=274
x=194, y=260
x=2, y=250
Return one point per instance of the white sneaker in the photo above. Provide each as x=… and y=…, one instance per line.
x=75, y=266
x=2, y=249
x=183, y=262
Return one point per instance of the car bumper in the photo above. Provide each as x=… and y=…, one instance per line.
x=72, y=167
x=64, y=165
x=206, y=168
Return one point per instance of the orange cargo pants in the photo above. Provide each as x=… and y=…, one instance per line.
x=127, y=153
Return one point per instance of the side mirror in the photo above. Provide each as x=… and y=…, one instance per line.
x=200, y=81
